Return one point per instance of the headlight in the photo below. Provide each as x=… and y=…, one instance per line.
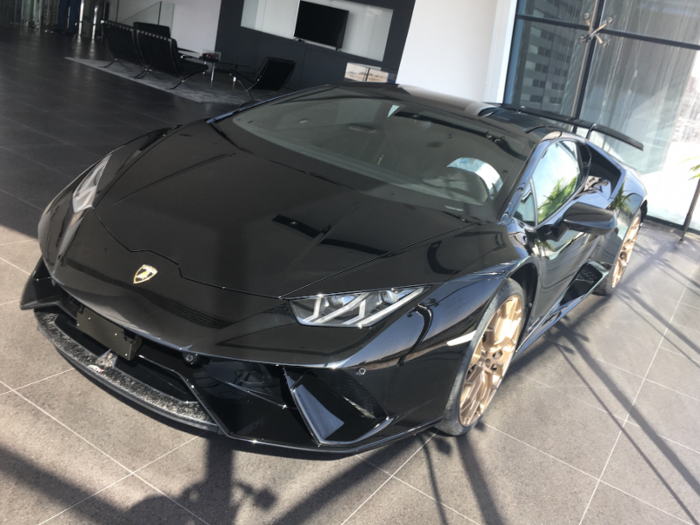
x=351, y=309
x=84, y=194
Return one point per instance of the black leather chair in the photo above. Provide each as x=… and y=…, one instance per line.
x=162, y=54
x=156, y=29
x=273, y=75
x=121, y=40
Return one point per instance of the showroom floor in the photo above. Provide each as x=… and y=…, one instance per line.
x=597, y=423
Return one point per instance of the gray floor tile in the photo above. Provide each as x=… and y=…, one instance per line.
x=683, y=342
x=56, y=156
x=18, y=220
x=687, y=316
x=676, y=371
x=45, y=468
x=651, y=280
x=669, y=414
x=628, y=309
x=36, y=186
x=106, y=419
x=391, y=457
x=216, y=480
x=656, y=471
x=617, y=345
x=612, y=506
x=129, y=502
x=574, y=372
x=18, y=134
x=492, y=478
x=564, y=427
x=623, y=321
x=22, y=254
x=691, y=297
x=668, y=250
x=12, y=161
x=11, y=282
x=396, y=502
x=25, y=355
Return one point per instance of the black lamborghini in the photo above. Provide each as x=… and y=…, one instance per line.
x=332, y=269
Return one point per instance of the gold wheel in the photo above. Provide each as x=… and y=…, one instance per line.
x=491, y=360
x=626, y=251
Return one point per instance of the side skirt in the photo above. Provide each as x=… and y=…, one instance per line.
x=586, y=280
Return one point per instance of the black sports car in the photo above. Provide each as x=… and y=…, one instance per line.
x=332, y=269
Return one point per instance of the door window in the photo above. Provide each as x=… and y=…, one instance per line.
x=556, y=177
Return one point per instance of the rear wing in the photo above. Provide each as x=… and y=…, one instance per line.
x=590, y=126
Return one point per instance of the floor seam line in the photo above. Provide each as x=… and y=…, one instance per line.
x=538, y=450
x=437, y=501
x=20, y=199
x=14, y=265
x=16, y=242
x=671, y=389
x=45, y=378
x=668, y=439
x=643, y=501
x=558, y=389
x=171, y=499
x=86, y=498
x=9, y=302
x=639, y=390
x=67, y=427
x=388, y=479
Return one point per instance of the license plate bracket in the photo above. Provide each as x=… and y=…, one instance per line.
x=108, y=334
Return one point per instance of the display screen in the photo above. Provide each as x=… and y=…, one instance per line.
x=321, y=24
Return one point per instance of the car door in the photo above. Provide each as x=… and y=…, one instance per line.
x=556, y=182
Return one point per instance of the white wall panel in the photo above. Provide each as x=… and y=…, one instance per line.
x=458, y=47
x=195, y=22
x=366, y=32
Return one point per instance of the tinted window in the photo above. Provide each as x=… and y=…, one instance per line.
x=390, y=146
x=556, y=177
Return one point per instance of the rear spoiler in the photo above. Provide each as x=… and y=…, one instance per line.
x=590, y=126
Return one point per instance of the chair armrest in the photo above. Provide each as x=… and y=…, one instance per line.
x=188, y=52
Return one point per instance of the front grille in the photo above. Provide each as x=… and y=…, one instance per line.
x=147, y=373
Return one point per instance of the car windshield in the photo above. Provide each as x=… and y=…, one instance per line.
x=394, y=147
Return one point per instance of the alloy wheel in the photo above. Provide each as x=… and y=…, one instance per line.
x=626, y=251
x=491, y=360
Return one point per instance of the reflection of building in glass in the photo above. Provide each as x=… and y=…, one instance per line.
x=634, y=86
x=549, y=56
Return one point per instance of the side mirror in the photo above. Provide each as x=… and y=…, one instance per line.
x=585, y=218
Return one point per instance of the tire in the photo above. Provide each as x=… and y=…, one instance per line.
x=608, y=285
x=483, y=368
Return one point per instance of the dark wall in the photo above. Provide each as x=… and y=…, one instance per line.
x=315, y=65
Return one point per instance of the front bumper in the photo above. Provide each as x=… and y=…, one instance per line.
x=284, y=406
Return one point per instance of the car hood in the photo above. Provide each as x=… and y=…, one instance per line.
x=251, y=222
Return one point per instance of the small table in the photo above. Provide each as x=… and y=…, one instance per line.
x=211, y=58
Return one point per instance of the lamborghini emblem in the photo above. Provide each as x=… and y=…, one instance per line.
x=145, y=273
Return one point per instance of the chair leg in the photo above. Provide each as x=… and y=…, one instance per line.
x=112, y=62
x=249, y=93
x=143, y=73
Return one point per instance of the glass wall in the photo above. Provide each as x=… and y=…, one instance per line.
x=638, y=74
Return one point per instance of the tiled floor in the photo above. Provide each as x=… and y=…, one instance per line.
x=598, y=423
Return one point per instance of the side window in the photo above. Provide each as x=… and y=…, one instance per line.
x=526, y=209
x=556, y=177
